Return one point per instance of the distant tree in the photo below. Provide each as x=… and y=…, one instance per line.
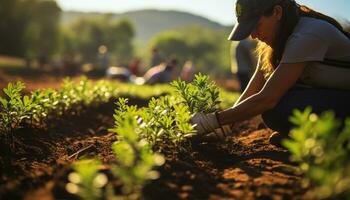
x=67, y=44
x=122, y=35
x=208, y=49
x=11, y=28
x=205, y=46
x=42, y=27
x=88, y=34
x=172, y=44
x=28, y=25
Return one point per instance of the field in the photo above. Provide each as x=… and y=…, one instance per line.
x=44, y=153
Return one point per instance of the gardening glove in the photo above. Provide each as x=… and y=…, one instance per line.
x=205, y=123
x=220, y=133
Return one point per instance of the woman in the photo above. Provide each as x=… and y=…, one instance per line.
x=304, y=61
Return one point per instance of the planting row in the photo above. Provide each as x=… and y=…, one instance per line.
x=317, y=143
x=144, y=134
x=42, y=106
x=320, y=144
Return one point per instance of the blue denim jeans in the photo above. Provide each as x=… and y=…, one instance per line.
x=299, y=98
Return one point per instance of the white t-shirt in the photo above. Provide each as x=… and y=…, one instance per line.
x=312, y=41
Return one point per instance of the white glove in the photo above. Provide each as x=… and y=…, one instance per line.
x=205, y=123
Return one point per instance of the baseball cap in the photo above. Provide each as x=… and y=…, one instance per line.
x=248, y=13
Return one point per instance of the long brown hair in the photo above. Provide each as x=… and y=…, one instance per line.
x=271, y=56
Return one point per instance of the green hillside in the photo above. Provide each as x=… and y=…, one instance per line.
x=149, y=22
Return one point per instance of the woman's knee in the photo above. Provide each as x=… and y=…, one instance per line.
x=270, y=120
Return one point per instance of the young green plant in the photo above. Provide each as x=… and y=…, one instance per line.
x=323, y=151
x=86, y=181
x=135, y=158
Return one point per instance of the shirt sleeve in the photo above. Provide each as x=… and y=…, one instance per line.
x=303, y=48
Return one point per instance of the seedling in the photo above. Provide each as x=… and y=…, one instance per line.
x=14, y=109
x=86, y=181
x=323, y=151
x=135, y=157
x=201, y=95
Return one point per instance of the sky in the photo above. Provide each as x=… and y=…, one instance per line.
x=217, y=10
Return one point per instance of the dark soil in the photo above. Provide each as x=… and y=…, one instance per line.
x=243, y=166
x=40, y=154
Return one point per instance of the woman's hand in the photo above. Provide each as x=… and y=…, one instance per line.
x=205, y=123
x=208, y=126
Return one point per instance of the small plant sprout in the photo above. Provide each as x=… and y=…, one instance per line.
x=200, y=95
x=164, y=120
x=86, y=181
x=135, y=157
x=13, y=110
x=323, y=151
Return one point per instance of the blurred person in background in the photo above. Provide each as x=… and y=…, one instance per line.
x=102, y=60
x=156, y=57
x=134, y=66
x=243, y=61
x=163, y=73
x=188, y=71
x=304, y=60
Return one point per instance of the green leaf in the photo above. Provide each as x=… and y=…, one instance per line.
x=4, y=103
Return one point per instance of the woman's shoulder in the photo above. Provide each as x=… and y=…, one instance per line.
x=309, y=25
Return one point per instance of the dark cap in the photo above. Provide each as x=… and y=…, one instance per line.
x=248, y=13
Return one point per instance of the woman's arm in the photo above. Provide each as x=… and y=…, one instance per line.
x=282, y=79
x=255, y=84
